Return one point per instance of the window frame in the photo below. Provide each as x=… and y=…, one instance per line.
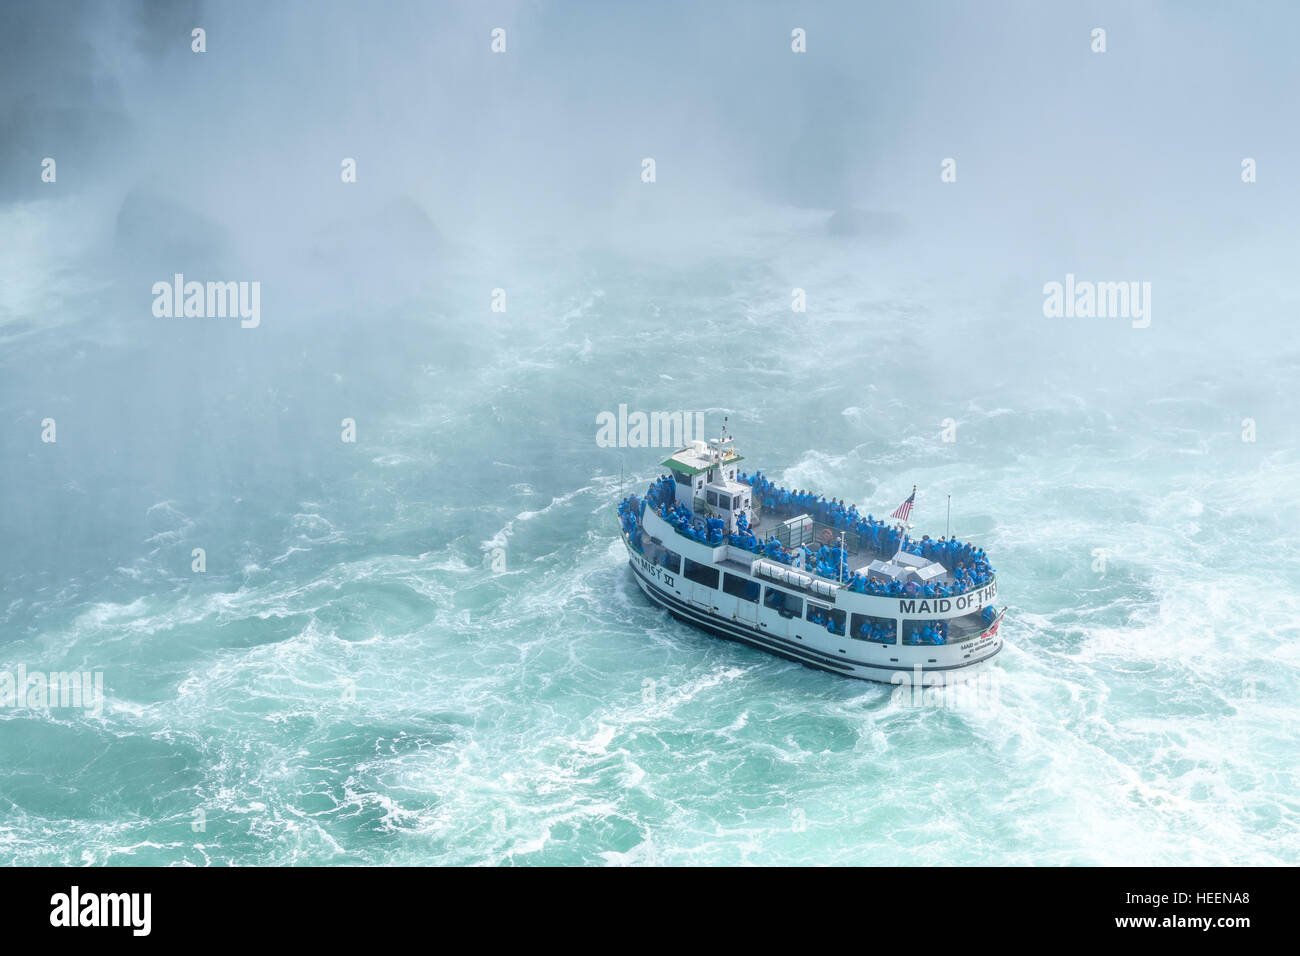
x=745, y=583
x=708, y=568
x=836, y=614
x=855, y=619
x=784, y=610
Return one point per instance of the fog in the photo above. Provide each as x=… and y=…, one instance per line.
x=522, y=170
x=350, y=568
x=1053, y=141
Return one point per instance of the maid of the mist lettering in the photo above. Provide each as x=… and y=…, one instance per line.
x=209, y=300
x=962, y=602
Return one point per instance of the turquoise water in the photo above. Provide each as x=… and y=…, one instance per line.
x=349, y=683
x=425, y=646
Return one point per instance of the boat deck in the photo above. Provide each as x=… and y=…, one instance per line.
x=731, y=564
x=860, y=554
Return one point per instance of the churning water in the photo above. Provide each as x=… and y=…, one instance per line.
x=425, y=646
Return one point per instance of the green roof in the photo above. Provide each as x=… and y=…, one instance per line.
x=685, y=469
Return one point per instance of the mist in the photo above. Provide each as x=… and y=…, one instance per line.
x=461, y=263
x=479, y=170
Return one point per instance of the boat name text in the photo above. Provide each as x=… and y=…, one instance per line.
x=943, y=605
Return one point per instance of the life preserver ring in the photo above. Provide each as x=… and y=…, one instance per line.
x=827, y=536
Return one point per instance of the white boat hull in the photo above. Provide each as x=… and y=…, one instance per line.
x=762, y=627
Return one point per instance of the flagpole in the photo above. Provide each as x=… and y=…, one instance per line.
x=948, y=521
x=906, y=523
x=909, y=514
x=903, y=522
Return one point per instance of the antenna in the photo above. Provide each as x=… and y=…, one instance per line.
x=716, y=453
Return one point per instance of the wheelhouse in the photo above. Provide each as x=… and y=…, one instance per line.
x=705, y=476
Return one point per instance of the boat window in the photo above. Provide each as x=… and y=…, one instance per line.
x=681, y=478
x=672, y=561
x=869, y=628
x=952, y=631
x=740, y=587
x=712, y=498
x=783, y=602
x=828, y=617
x=724, y=502
x=701, y=573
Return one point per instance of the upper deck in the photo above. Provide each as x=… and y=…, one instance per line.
x=701, y=457
x=805, y=542
x=790, y=566
x=867, y=556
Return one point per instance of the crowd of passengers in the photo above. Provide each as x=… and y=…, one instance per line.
x=936, y=632
x=828, y=562
x=869, y=585
x=969, y=565
x=925, y=632
x=876, y=629
x=662, y=490
x=709, y=531
x=883, y=538
x=630, y=510
x=881, y=630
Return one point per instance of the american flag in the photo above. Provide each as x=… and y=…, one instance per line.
x=905, y=509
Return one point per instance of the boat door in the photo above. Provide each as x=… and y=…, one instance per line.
x=741, y=598
x=747, y=612
x=704, y=597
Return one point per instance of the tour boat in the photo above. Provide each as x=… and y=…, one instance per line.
x=811, y=580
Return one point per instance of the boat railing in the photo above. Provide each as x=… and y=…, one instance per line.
x=698, y=521
x=702, y=507
x=792, y=532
